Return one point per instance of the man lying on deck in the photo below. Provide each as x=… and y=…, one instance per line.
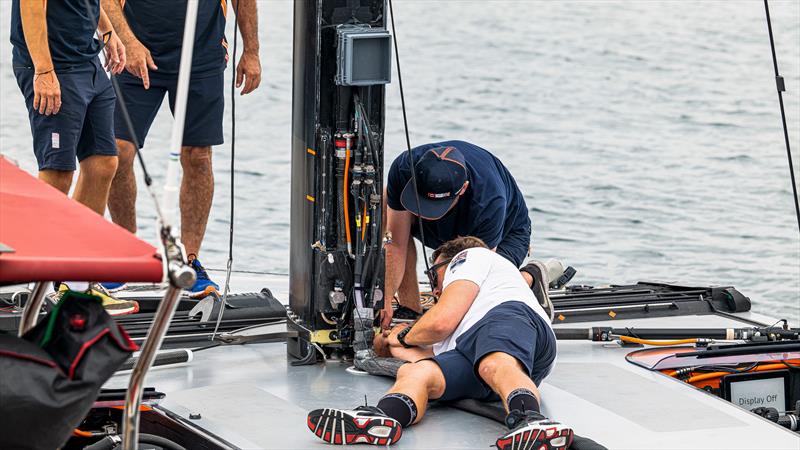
x=486, y=339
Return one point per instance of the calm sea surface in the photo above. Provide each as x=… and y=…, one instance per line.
x=645, y=136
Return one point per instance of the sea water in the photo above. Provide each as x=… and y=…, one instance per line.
x=645, y=136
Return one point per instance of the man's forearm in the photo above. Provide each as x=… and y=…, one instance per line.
x=34, y=26
x=115, y=15
x=427, y=330
x=395, y=267
x=104, y=25
x=247, y=18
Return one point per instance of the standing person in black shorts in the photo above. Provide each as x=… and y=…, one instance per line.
x=463, y=191
x=153, y=36
x=70, y=102
x=486, y=339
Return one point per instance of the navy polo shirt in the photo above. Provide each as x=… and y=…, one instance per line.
x=158, y=25
x=71, y=27
x=492, y=208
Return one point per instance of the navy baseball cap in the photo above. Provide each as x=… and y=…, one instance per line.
x=441, y=173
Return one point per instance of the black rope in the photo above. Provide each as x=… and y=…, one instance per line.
x=233, y=128
x=408, y=140
x=781, y=87
x=224, y=299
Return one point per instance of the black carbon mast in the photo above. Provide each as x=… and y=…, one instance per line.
x=342, y=60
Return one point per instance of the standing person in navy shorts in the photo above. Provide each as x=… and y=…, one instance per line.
x=486, y=339
x=463, y=191
x=70, y=102
x=153, y=37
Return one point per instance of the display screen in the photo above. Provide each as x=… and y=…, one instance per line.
x=764, y=392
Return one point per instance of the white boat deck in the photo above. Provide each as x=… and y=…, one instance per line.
x=252, y=398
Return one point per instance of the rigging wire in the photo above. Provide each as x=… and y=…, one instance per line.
x=780, y=85
x=224, y=300
x=408, y=140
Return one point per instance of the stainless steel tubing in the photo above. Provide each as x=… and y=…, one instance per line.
x=133, y=398
x=31, y=311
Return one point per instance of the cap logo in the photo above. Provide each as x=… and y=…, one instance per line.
x=442, y=195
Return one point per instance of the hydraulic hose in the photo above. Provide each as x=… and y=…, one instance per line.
x=714, y=375
x=346, y=194
x=661, y=343
x=113, y=442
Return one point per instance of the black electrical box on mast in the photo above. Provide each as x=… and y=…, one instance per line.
x=342, y=60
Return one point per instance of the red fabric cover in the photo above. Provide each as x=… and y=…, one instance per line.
x=57, y=239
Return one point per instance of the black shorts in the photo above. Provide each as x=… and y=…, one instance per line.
x=84, y=125
x=204, y=111
x=512, y=328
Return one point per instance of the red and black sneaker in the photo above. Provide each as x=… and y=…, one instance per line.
x=363, y=425
x=531, y=430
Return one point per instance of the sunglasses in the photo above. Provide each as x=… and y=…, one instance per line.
x=433, y=276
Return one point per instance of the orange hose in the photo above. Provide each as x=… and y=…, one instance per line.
x=712, y=375
x=648, y=342
x=81, y=433
x=346, y=193
x=366, y=221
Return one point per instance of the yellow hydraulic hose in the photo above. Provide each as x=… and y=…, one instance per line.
x=649, y=342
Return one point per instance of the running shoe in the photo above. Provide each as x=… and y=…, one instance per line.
x=363, y=425
x=538, y=272
x=532, y=430
x=112, y=305
x=114, y=287
x=203, y=287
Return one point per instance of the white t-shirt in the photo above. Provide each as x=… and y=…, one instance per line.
x=499, y=282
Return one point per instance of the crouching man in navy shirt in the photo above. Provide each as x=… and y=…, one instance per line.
x=463, y=191
x=487, y=338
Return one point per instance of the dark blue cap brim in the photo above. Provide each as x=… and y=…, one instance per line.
x=428, y=209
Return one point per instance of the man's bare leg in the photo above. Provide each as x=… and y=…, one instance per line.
x=122, y=196
x=59, y=179
x=94, y=181
x=421, y=381
x=528, y=428
x=528, y=278
x=197, y=192
x=503, y=373
x=408, y=292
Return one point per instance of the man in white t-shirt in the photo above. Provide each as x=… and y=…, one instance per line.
x=487, y=338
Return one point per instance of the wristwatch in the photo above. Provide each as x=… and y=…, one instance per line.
x=401, y=337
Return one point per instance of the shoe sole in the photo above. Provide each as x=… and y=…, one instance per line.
x=534, y=437
x=340, y=428
x=123, y=311
x=540, y=287
x=204, y=293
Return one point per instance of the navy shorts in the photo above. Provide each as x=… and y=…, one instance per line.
x=516, y=246
x=512, y=328
x=83, y=127
x=205, y=106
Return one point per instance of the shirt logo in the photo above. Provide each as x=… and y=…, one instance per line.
x=458, y=260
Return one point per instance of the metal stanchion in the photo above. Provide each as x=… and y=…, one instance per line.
x=31, y=311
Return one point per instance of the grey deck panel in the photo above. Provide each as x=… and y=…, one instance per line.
x=251, y=397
